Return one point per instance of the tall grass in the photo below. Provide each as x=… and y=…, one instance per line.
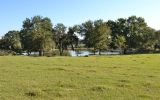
x=130, y=77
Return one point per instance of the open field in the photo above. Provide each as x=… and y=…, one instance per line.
x=130, y=77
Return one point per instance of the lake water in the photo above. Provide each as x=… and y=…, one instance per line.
x=84, y=53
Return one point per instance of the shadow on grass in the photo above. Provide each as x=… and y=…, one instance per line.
x=34, y=93
x=98, y=88
x=55, y=69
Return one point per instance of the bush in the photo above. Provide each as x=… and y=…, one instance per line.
x=7, y=52
x=86, y=56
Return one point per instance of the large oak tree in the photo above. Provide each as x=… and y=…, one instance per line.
x=96, y=34
x=36, y=34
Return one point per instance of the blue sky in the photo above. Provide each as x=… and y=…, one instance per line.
x=71, y=12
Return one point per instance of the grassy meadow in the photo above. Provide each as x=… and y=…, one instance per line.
x=130, y=77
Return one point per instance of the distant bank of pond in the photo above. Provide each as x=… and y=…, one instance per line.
x=75, y=53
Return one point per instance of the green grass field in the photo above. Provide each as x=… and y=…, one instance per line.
x=130, y=77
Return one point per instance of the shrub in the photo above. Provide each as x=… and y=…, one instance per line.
x=7, y=52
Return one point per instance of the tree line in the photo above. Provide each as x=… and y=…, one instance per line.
x=38, y=35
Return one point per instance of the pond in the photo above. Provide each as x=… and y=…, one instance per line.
x=80, y=53
x=84, y=53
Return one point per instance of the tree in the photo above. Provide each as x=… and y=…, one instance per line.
x=73, y=39
x=26, y=36
x=119, y=41
x=60, y=37
x=3, y=43
x=136, y=27
x=11, y=41
x=96, y=34
x=149, y=38
x=118, y=27
x=37, y=34
x=135, y=31
x=102, y=33
x=157, y=39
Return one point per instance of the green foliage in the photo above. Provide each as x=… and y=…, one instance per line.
x=96, y=34
x=63, y=40
x=11, y=41
x=36, y=34
x=59, y=30
x=157, y=39
x=119, y=41
x=135, y=30
x=7, y=52
x=60, y=38
x=39, y=35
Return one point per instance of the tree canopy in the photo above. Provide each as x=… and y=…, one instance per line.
x=96, y=34
x=36, y=34
x=39, y=35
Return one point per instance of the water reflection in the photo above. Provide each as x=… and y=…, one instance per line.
x=84, y=53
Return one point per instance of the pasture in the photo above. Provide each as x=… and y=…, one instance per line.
x=129, y=77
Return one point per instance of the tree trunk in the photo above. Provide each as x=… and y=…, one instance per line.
x=61, y=52
x=20, y=51
x=72, y=47
x=94, y=51
x=125, y=50
x=120, y=50
x=99, y=51
x=43, y=53
x=28, y=52
x=40, y=52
